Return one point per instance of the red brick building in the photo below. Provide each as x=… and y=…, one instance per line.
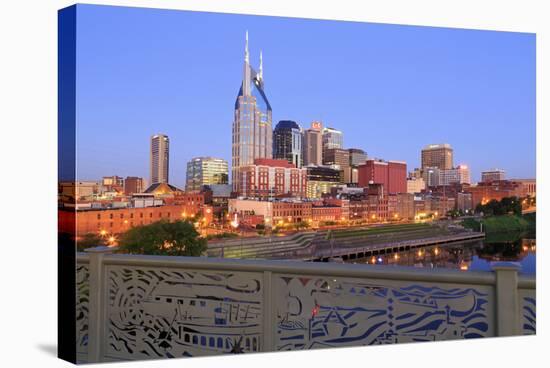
x=327, y=213
x=272, y=178
x=485, y=191
x=291, y=211
x=392, y=175
x=133, y=184
x=119, y=220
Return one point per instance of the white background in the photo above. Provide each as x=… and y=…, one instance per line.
x=28, y=179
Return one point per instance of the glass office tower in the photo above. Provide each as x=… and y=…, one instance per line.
x=287, y=142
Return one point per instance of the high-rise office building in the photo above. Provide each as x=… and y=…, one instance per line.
x=160, y=149
x=287, y=142
x=252, y=131
x=313, y=145
x=492, y=175
x=332, y=138
x=206, y=171
x=437, y=155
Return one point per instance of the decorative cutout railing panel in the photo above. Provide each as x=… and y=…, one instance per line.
x=156, y=312
x=316, y=312
x=140, y=307
x=528, y=312
x=82, y=308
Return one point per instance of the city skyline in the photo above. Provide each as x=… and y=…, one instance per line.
x=97, y=146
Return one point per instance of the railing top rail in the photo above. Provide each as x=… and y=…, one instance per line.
x=82, y=257
x=310, y=268
x=527, y=282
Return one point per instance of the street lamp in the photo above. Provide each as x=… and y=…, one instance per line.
x=235, y=225
x=112, y=240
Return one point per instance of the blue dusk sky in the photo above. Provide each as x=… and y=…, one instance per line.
x=391, y=89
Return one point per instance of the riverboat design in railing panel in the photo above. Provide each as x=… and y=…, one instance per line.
x=316, y=312
x=157, y=312
x=82, y=308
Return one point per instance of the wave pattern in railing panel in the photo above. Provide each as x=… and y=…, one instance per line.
x=315, y=312
x=157, y=312
x=528, y=312
x=82, y=308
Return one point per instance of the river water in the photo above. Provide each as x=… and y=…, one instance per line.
x=466, y=256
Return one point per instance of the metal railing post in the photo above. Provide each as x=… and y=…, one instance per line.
x=269, y=318
x=507, y=299
x=96, y=317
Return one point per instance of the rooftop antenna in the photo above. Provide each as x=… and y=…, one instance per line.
x=246, y=57
x=260, y=69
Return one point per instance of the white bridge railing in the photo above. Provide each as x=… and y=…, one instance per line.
x=138, y=307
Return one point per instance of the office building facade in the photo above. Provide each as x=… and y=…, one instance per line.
x=206, y=171
x=332, y=138
x=269, y=178
x=160, y=153
x=437, y=155
x=491, y=175
x=313, y=145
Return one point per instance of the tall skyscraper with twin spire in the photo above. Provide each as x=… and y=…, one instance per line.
x=252, y=132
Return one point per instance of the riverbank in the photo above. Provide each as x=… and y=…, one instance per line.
x=502, y=224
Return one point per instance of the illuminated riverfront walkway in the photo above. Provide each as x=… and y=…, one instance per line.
x=349, y=243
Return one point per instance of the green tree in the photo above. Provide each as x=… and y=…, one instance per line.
x=178, y=238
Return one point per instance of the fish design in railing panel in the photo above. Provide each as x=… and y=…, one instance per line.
x=320, y=312
x=155, y=313
x=82, y=304
x=529, y=315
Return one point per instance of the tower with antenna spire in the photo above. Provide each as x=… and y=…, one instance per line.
x=252, y=132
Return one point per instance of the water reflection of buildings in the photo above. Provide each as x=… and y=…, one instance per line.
x=457, y=256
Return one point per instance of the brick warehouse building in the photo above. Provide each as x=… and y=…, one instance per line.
x=392, y=175
x=483, y=192
x=119, y=220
